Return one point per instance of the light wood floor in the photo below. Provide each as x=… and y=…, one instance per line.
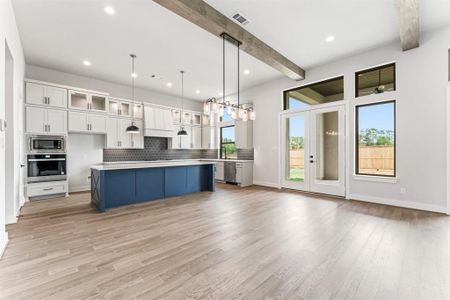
x=250, y=243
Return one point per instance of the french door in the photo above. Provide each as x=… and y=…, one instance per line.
x=313, y=150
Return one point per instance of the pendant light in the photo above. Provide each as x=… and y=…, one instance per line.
x=182, y=131
x=132, y=129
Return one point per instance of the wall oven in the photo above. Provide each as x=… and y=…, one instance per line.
x=46, y=144
x=46, y=167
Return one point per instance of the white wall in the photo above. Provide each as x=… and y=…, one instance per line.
x=10, y=35
x=114, y=89
x=422, y=81
x=83, y=151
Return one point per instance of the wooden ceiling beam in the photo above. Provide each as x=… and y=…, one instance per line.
x=205, y=16
x=408, y=20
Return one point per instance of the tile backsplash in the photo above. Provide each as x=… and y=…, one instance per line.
x=155, y=148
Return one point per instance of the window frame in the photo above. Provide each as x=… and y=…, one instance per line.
x=357, y=138
x=371, y=70
x=228, y=143
x=285, y=92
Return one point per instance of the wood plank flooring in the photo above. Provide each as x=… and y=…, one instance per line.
x=250, y=243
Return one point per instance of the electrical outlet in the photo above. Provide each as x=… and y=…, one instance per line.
x=402, y=190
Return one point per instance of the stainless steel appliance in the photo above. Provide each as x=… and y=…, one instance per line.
x=46, y=144
x=230, y=172
x=46, y=167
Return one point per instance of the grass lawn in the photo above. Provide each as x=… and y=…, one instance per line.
x=296, y=174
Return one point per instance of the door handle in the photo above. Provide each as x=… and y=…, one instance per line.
x=311, y=161
x=48, y=189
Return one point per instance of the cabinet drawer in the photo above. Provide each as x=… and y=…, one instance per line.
x=46, y=188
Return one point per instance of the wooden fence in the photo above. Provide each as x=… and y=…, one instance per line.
x=370, y=158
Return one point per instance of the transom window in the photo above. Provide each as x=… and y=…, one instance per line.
x=316, y=93
x=375, y=80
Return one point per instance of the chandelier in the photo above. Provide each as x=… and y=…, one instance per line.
x=218, y=106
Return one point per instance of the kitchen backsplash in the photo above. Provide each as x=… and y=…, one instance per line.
x=155, y=148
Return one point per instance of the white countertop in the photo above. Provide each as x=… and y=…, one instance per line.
x=149, y=164
x=221, y=159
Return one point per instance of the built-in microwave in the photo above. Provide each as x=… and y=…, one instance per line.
x=46, y=144
x=46, y=167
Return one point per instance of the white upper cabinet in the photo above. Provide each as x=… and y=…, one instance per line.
x=45, y=120
x=209, y=137
x=86, y=122
x=196, y=119
x=86, y=101
x=138, y=110
x=186, y=118
x=196, y=138
x=209, y=119
x=98, y=103
x=45, y=95
x=119, y=107
x=176, y=116
x=244, y=134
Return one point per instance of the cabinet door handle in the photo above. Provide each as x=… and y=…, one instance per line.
x=47, y=189
x=48, y=127
x=87, y=127
x=48, y=100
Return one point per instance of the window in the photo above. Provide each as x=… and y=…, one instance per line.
x=317, y=93
x=227, y=142
x=375, y=81
x=375, y=139
x=226, y=116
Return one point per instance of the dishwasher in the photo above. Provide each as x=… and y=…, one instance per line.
x=230, y=172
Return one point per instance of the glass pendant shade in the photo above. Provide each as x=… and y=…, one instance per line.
x=241, y=112
x=214, y=107
x=245, y=116
x=221, y=110
x=206, y=108
x=229, y=109
x=234, y=113
x=252, y=115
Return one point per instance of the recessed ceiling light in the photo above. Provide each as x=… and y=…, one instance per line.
x=86, y=63
x=169, y=84
x=246, y=71
x=134, y=75
x=109, y=10
x=329, y=38
x=197, y=91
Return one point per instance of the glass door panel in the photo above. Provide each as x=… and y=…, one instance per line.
x=294, y=151
x=327, y=151
x=125, y=109
x=98, y=103
x=78, y=100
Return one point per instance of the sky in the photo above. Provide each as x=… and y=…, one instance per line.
x=379, y=116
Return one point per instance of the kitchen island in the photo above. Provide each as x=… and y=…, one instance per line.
x=120, y=184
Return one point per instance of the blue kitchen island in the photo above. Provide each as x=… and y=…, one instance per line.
x=120, y=184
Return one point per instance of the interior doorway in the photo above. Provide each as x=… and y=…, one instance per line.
x=313, y=149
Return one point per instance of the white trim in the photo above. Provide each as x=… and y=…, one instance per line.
x=375, y=178
x=81, y=188
x=400, y=203
x=448, y=147
x=312, y=82
x=3, y=244
x=10, y=220
x=267, y=184
x=376, y=66
x=65, y=86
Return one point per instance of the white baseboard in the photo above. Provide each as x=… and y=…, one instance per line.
x=10, y=220
x=401, y=203
x=268, y=184
x=3, y=244
x=79, y=188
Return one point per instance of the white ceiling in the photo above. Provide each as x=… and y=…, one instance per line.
x=60, y=34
